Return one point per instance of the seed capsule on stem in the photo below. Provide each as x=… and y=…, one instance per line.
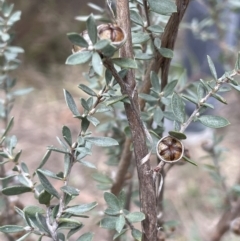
x=169, y=149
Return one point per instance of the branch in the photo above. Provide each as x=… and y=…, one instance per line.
x=123, y=166
x=168, y=41
x=146, y=185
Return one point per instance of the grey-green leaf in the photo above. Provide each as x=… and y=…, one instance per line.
x=77, y=39
x=178, y=135
x=108, y=223
x=237, y=65
x=102, y=141
x=156, y=28
x=140, y=37
x=112, y=201
x=178, y=107
x=120, y=222
x=11, y=229
x=125, y=63
x=67, y=135
x=72, y=191
x=71, y=103
x=136, y=18
x=92, y=29
x=47, y=185
x=165, y=7
x=213, y=121
x=101, y=178
x=167, y=53
x=86, y=237
x=115, y=99
x=80, y=209
x=155, y=81
x=148, y=97
x=135, y=217
x=87, y=90
x=79, y=58
x=15, y=190
x=44, y=159
x=212, y=67
x=169, y=88
x=101, y=44
x=137, y=234
x=97, y=63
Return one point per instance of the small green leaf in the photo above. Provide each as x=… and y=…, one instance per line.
x=122, y=199
x=169, y=88
x=86, y=237
x=148, y=97
x=47, y=185
x=115, y=99
x=108, y=223
x=178, y=135
x=79, y=58
x=102, y=141
x=99, y=177
x=135, y=217
x=67, y=135
x=155, y=81
x=44, y=197
x=143, y=56
x=72, y=191
x=9, y=126
x=120, y=222
x=80, y=209
x=87, y=164
x=136, y=18
x=212, y=67
x=137, y=234
x=32, y=210
x=219, y=98
x=111, y=201
x=156, y=28
x=15, y=190
x=71, y=103
x=85, y=124
x=167, y=53
x=190, y=98
x=158, y=115
x=112, y=212
x=235, y=87
x=97, y=64
x=92, y=29
x=77, y=39
x=44, y=159
x=125, y=63
x=11, y=229
x=140, y=37
x=87, y=90
x=68, y=223
x=189, y=160
x=73, y=231
x=213, y=121
x=93, y=120
x=165, y=7
x=101, y=44
x=178, y=107
x=117, y=235
x=237, y=65
x=200, y=91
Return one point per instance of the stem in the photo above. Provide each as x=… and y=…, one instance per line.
x=219, y=83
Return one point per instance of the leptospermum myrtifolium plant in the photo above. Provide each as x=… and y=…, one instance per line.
x=121, y=69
